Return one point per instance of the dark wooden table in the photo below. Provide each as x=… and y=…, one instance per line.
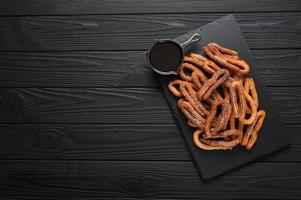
x=82, y=117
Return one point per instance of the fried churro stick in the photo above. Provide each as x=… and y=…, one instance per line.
x=251, y=99
x=185, y=89
x=223, y=134
x=227, y=58
x=214, y=82
x=212, y=145
x=196, y=76
x=222, y=119
x=238, y=100
x=194, y=72
x=190, y=95
x=226, y=92
x=202, y=62
x=174, y=87
x=252, y=131
x=226, y=144
x=236, y=126
x=191, y=114
x=225, y=50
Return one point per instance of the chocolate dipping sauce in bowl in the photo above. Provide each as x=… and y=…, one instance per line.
x=166, y=56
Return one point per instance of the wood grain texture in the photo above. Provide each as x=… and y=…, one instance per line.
x=180, y=180
x=111, y=105
x=67, y=7
x=133, y=32
x=279, y=67
x=76, y=122
x=126, y=69
x=145, y=142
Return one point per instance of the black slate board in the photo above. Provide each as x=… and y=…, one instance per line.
x=226, y=32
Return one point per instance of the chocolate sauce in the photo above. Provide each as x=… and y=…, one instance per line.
x=166, y=56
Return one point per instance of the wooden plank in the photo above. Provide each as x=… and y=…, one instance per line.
x=67, y=7
x=180, y=180
x=111, y=105
x=133, y=32
x=279, y=67
x=126, y=69
x=144, y=142
x=75, y=69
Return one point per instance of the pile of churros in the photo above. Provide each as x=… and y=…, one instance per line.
x=218, y=100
